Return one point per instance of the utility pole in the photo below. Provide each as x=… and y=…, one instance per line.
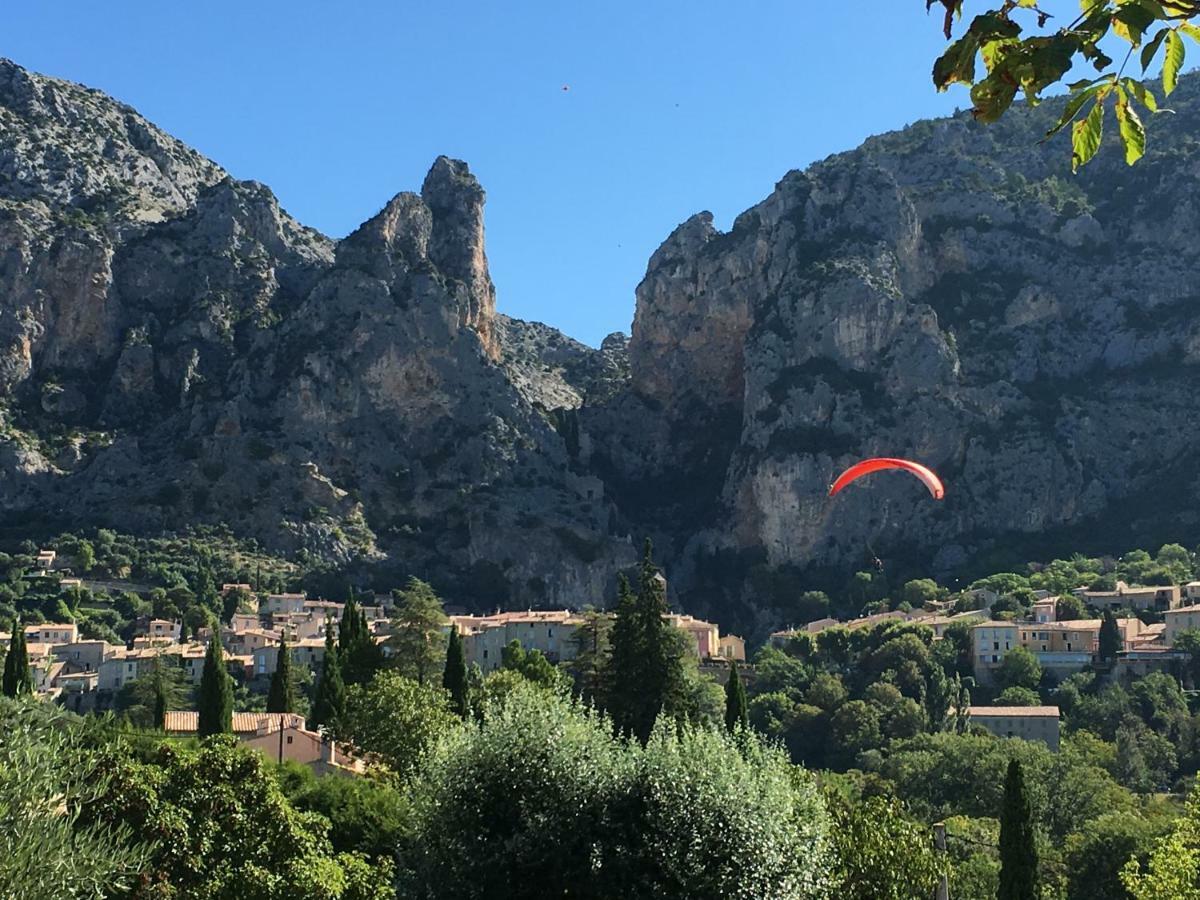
x=939, y=842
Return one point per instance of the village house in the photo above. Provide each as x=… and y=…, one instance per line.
x=485, y=637
x=1062, y=648
x=1154, y=597
x=279, y=737
x=52, y=633
x=1031, y=723
x=45, y=560
x=161, y=629
x=1177, y=620
x=552, y=633
x=283, y=603
x=309, y=653
x=732, y=647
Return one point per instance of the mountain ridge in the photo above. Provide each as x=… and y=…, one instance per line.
x=175, y=348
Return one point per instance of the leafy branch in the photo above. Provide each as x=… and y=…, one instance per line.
x=1021, y=51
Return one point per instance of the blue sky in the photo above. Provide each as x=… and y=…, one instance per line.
x=672, y=108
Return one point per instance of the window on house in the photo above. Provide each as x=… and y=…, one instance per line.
x=289, y=739
x=995, y=645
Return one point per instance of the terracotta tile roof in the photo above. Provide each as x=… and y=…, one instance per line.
x=187, y=721
x=1026, y=711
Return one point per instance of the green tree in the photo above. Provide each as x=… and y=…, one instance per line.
x=1020, y=52
x=589, y=662
x=330, y=699
x=1110, y=637
x=646, y=664
x=47, y=772
x=736, y=712
x=1018, y=854
x=881, y=853
x=224, y=829
x=530, y=664
x=454, y=678
x=361, y=657
x=281, y=696
x=18, y=678
x=1095, y=856
x=920, y=591
x=366, y=815
x=1173, y=869
x=1069, y=607
x=1019, y=668
x=601, y=817
x=417, y=623
x=1018, y=696
x=395, y=719
x=145, y=701
x=215, y=698
x=856, y=727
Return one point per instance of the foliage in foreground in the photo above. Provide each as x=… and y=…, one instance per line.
x=541, y=787
x=45, y=852
x=223, y=829
x=1020, y=53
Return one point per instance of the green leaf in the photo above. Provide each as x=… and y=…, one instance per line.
x=1172, y=61
x=1131, y=22
x=1190, y=30
x=1072, y=108
x=1141, y=94
x=957, y=64
x=1133, y=132
x=1085, y=136
x=1152, y=48
x=992, y=97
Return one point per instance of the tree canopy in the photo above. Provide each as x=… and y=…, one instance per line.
x=1024, y=48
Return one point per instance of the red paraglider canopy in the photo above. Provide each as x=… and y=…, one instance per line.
x=867, y=466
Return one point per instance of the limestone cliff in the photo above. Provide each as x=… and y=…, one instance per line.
x=175, y=348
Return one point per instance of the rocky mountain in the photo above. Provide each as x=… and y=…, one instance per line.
x=175, y=348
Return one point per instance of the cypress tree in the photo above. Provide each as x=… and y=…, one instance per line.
x=160, y=702
x=1110, y=636
x=454, y=678
x=216, y=692
x=281, y=698
x=623, y=660
x=647, y=671
x=1018, y=856
x=18, y=679
x=736, y=714
x=331, y=690
x=183, y=630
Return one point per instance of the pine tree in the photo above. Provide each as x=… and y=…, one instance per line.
x=588, y=664
x=454, y=678
x=416, y=634
x=281, y=697
x=331, y=690
x=736, y=714
x=1110, y=636
x=18, y=679
x=1018, y=856
x=216, y=692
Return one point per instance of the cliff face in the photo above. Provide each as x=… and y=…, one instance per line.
x=175, y=348
x=948, y=293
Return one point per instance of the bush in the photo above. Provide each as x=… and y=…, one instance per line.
x=542, y=786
